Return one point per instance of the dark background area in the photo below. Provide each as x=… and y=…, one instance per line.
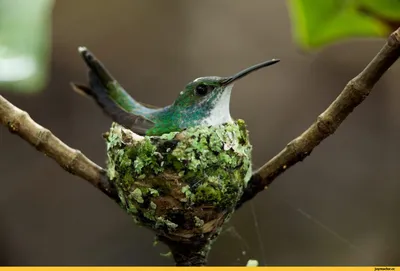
x=339, y=207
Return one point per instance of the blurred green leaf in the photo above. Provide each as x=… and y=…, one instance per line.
x=317, y=23
x=387, y=9
x=24, y=44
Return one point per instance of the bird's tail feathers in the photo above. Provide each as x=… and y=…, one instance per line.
x=137, y=124
x=96, y=66
x=81, y=89
x=98, y=89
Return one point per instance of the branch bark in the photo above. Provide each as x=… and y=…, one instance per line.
x=75, y=162
x=327, y=123
x=354, y=93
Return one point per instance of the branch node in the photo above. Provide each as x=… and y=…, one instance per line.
x=42, y=137
x=358, y=89
x=325, y=124
x=73, y=163
x=14, y=122
x=394, y=38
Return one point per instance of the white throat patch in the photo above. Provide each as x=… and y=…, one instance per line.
x=220, y=113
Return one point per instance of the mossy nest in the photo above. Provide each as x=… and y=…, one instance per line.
x=184, y=185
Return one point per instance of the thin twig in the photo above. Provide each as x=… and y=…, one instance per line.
x=327, y=123
x=75, y=162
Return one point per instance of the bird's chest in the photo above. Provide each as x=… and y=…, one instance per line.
x=205, y=117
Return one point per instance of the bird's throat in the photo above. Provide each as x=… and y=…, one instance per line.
x=219, y=112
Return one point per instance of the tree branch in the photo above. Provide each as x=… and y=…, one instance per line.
x=19, y=122
x=353, y=94
x=327, y=123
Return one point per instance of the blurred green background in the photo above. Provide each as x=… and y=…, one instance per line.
x=338, y=207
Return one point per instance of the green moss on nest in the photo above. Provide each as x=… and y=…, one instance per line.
x=182, y=185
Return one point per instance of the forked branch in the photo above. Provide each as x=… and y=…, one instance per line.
x=353, y=94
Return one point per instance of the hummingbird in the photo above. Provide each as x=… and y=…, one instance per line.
x=203, y=102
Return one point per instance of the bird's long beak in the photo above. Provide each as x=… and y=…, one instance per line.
x=228, y=80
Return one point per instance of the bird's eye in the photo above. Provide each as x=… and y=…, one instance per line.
x=202, y=89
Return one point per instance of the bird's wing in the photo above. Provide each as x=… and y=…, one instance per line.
x=114, y=90
x=149, y=106
x=114, y=101
x=136, y=123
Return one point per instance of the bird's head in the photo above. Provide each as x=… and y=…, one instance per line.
x=206, y=99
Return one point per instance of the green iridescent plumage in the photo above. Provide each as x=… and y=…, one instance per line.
x=203, y=102
x=184, y=177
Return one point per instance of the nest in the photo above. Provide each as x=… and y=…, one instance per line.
x=184, y=186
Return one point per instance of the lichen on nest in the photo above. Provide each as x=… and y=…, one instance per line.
x=183, y=185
